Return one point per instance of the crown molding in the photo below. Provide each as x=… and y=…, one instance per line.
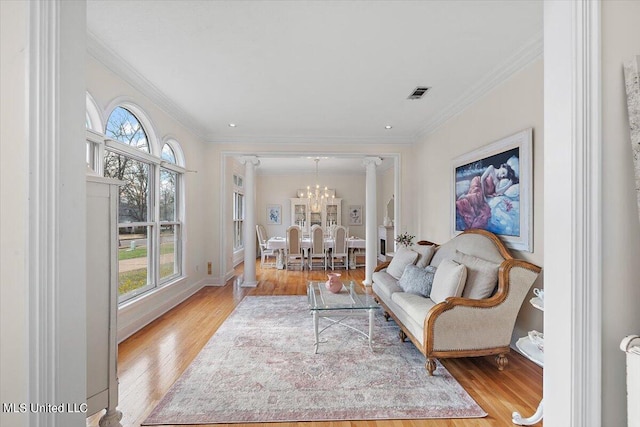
x=309, y=139
x=114, y=62
x=526, y=55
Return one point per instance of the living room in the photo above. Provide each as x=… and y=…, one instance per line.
x=521, y=98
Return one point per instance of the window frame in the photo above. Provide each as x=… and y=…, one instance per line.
x=238, y=218
x=102, y=145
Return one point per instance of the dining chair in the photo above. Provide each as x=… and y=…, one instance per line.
x=265, y=253
x=294, y=255
x=340, y=251
x=318, y=248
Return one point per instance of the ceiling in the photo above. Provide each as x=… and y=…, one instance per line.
x=314, y=71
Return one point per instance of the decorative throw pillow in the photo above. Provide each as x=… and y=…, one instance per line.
x=425, y=253
x=482, y=275
x=401, y=259
x=416, y=280
x=448, y=281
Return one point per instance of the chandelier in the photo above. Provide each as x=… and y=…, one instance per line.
x=316, y=197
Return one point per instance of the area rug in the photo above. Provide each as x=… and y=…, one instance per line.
x=260, y=367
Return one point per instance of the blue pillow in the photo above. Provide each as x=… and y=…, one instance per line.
x=417, y=280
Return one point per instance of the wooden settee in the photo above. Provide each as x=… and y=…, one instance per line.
x=459, y=326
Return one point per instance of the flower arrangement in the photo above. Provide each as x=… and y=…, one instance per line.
x=405, y=239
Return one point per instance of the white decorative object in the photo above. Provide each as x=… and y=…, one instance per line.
x=532, y=347
x=102, y=299
x=631, y=346
x=539, y=293
x=632, y=83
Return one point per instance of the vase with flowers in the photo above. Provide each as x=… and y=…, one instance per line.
x=405, y=239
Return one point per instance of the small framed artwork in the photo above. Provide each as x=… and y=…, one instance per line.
x=491, y=190
x=274, y=214
x=355, y=215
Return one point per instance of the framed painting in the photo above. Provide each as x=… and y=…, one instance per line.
x=632, y=84
x=355, y=215
x=492, y=189
x=274, y=214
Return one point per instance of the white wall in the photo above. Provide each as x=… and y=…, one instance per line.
x=515, y=105
x=278, y=189
x=107, y=89
x=620, y=225
x=14, y=181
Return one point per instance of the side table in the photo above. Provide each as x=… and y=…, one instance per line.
x=533, y=353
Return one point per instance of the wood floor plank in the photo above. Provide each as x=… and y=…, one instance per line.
x=151, y=360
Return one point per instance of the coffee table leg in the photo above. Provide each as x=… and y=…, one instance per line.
x=315, y=330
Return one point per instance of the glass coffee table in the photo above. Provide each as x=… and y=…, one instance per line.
x=349, y=302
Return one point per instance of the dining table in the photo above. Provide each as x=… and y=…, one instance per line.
x=354, y=244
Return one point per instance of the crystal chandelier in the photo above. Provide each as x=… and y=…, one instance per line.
x=316, y=197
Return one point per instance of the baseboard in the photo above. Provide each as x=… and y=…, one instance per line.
x=138, y=314
x=229, y=275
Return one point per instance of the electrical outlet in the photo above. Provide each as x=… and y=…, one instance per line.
x=197, y=267
x=209, y=272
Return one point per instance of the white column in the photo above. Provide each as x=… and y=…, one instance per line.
x=371, y=217
x=572, y=216
x=249, y=277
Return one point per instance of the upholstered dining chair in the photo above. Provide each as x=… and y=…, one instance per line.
x=265, y=253
x=340, y=251
x=318, y=249
x=294, y=255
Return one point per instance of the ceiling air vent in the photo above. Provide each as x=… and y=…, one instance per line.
x=418, y=92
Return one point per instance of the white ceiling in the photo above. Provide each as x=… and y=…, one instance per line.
x=314, y=71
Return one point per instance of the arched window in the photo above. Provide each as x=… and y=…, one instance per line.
x=93, y=124
x=93, y=118
x=168, y=154
x=149, y=215
x=124, y=127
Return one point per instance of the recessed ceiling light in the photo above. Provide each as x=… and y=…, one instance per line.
x=388, y=127
x=232, y=125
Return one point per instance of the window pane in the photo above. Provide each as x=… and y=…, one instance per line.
x=134, y=195
x=168, y=154
x=168, y=198
x=133, y=267
x=123, y=126
x=169, y=244
x=91, y=155
x=237, y=235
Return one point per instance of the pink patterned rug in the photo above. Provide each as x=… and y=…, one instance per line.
x=260, y=367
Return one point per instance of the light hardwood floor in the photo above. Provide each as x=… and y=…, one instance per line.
x=151, y=360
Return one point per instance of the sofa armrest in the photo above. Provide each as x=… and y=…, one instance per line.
x=469, y=324
x=381, y=266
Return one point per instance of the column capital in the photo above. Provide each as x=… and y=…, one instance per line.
x=371, y=160
x=250, y=159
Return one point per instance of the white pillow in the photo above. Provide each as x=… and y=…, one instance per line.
x=425, y=253
x=400, y=260
x=482, y=275
x=448, y=281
